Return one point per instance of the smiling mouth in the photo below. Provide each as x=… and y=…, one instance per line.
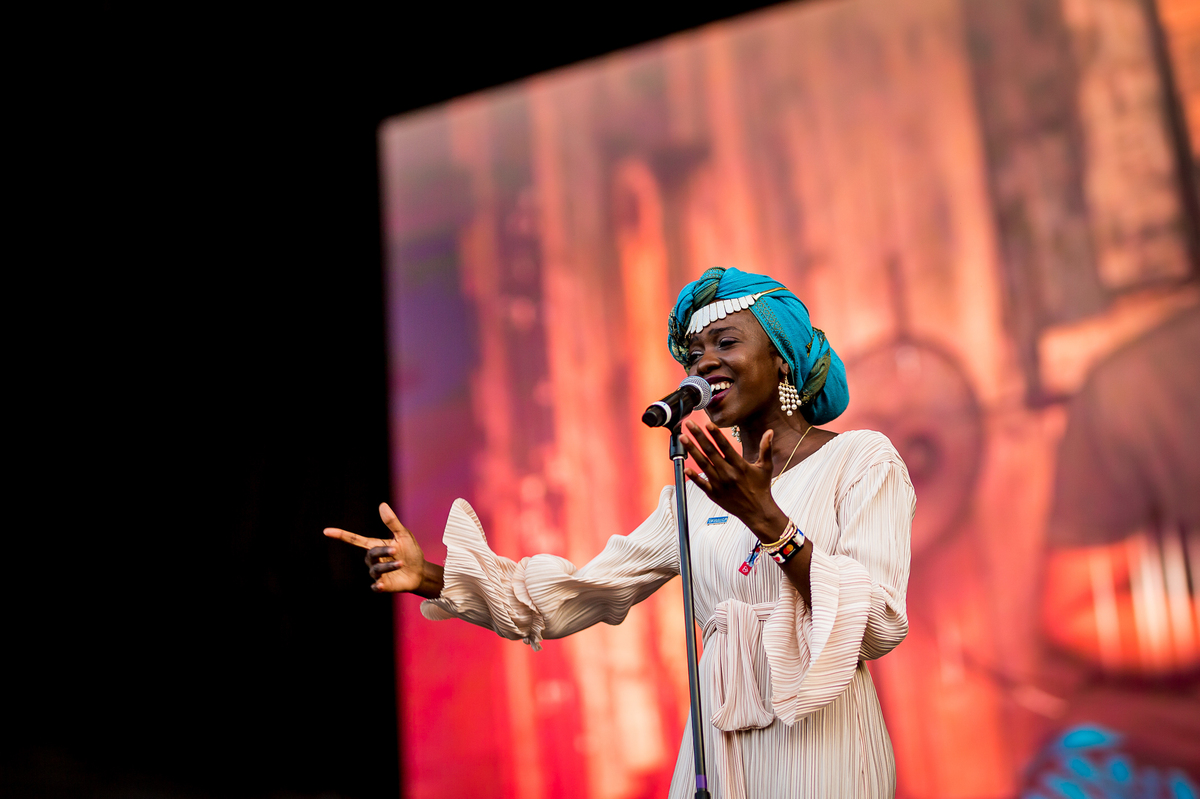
x=719, y=388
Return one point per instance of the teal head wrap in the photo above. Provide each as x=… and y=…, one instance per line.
x=823, y=393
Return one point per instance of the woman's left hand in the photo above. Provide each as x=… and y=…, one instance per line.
x=737, y=485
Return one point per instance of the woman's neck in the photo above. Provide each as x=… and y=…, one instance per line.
x=789, y=430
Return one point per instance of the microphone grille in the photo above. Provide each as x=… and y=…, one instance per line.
x=701, y=385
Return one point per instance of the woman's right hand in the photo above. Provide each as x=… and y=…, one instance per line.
x=396, y=565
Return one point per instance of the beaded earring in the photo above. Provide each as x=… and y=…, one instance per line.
x=737, y=433
x=789, y=399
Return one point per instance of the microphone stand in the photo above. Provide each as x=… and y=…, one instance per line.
x=679, y=455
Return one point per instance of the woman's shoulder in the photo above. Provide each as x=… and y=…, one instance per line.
x=859, y=450
x=864, y=441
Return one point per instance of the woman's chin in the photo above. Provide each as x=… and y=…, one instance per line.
x=720, y=418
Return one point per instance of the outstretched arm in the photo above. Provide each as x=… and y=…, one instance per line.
x=397, y=565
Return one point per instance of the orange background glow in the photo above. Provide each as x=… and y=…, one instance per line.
x=977, y=204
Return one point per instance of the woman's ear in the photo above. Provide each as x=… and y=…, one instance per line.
x=781, y=364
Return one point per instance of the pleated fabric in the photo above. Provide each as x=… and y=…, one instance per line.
x=791, y=708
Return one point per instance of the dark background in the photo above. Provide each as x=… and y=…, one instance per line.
x=197, y=323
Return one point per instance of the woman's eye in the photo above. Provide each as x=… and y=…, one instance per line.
x=727, y=342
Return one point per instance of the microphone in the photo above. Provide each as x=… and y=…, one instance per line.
x=693, y=394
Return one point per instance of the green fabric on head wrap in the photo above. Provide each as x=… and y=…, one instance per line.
x=824, y=394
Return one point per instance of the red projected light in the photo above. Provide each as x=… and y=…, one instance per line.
x=890, y=163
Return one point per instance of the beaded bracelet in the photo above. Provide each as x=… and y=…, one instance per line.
x=788, y=532
x=788, y=546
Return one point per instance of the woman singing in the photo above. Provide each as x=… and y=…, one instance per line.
x=800, y=553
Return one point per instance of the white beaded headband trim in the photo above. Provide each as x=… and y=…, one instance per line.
x=722, y=308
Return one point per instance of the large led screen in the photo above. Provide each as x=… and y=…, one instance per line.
x=989, y=207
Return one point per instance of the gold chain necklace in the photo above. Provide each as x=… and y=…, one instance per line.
x=788, y=462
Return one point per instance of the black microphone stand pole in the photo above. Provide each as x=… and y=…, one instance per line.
x=679, y=455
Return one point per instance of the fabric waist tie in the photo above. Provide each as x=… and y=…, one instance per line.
x=732, y=639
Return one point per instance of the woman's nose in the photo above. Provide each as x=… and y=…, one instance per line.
x=706, y=363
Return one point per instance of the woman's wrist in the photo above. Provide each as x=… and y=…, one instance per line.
x=432, y=581
x=770, y=526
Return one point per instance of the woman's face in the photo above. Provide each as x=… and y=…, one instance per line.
x=738, y=360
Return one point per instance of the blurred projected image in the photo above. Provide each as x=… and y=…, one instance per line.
x=1124, y=535
x=989, y=208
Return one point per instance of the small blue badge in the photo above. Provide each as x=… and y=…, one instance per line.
x=717, y=519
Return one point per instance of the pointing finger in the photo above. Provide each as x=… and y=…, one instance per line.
x=353, y=538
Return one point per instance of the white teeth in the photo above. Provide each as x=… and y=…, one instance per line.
x=720, y=386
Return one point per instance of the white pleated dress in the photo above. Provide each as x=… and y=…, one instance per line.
x=792, y=709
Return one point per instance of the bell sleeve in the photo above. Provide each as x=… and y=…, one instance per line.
x=546, y=596
x=858, y=596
